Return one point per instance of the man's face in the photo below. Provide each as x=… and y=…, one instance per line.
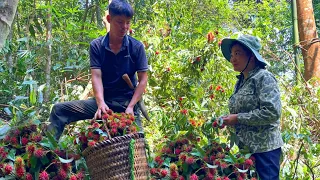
x=119, y=25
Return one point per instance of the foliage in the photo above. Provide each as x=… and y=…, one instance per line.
x=193, y=155
x=301, y=135
x=189, y=80
x=26, y=154
x=316, y=7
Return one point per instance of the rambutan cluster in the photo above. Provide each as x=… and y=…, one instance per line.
x=21, y=136
x=176, y=153
x=119, y=124
x=210, y=162
x=113, y=124
x=25, y=154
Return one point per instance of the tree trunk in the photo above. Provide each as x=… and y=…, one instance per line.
x=9, y=58
x=7, y=11
x=84, y=18
x=295, y=40
x=98, y=14
x=49, y=54
x=309, y=41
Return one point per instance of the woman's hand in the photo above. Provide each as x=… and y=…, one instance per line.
x=102, y=109
x=230, y=119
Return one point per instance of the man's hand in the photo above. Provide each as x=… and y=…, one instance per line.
x=230, y=119
x=129, y=110
x=98, y=93
x=102, y=109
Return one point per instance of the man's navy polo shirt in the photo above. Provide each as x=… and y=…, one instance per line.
x=130, y=59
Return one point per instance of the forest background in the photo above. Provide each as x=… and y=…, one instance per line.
x=45, y=60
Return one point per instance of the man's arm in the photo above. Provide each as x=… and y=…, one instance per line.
x=143, y=79
x=98, y=92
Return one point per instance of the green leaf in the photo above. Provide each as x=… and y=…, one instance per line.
x=247, y=156
x=244, y=150
x=66, y=160
x=167, y=162
x=24, y=39
x=233, y=158
x=36, y=173
x=233, y=139
x=198, y=151
x=8, y=177
x=3, y=131
x=44, y=160
x=52, y=140
x=12, y=154
x=31, y=113
x=40, y=98
x=17, y=98
x=38, y=26
x=185, y=169
x=292, y=112
x=29, y=71
x=25, y=156
x=195, y=166
x=33, y=161
x=102, y=133
x=212, y=166
x=46, y=143
x=8, y=111
x=195, y=153
x=56, y=12
x=241, y=160
x=151, y=164
x=180, y=133
x=31, y=30
x=229, y=159
x=242, y=171
x=36, y=122
x=40, y=92
x=81, y=164
x=33, y=97
x=196, y=105
x=220, y=121
x=29, y=82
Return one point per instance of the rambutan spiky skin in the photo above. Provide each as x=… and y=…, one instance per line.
x=39, y=153
x=8, y=169
x=43, y=176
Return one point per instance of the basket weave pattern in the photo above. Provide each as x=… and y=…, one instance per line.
x=109, y=159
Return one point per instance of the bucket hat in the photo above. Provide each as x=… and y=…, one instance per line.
x=251, y=42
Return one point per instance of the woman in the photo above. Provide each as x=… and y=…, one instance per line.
x=255, y=105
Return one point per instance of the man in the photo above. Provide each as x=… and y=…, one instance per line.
x=111, y=56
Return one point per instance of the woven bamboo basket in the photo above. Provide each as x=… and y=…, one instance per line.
x=109, y=159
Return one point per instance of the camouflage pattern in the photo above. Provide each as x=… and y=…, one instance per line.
x=256, y=100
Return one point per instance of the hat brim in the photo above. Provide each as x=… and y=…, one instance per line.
x=226, y=50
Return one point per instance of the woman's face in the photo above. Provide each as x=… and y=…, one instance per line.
x=239, y=58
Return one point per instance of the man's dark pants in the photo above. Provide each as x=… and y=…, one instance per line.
x=66, y=112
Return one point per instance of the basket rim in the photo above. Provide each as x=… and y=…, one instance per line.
x=113, y=140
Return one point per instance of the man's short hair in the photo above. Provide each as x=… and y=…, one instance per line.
x=120, y=8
